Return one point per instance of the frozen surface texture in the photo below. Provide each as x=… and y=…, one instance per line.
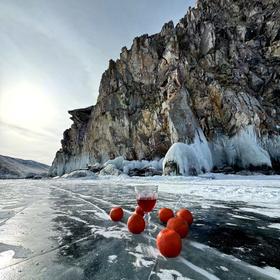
x=59, y=229
x=217, y=70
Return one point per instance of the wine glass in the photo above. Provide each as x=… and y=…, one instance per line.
x=146, y=196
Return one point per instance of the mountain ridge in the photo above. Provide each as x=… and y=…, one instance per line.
x=14, y=168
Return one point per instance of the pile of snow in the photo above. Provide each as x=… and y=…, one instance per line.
x=141, y=164
x=242, y=150
x=110, y=169
x=79, y=174
x=189, y=159
x=118, y=162
x=126, y=165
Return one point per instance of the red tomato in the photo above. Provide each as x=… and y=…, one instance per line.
x=179, y=225
x=136, y=224
x=165, y=214
x=116, y=214
x=169, y=243
x=186, y=215
x=139, y=211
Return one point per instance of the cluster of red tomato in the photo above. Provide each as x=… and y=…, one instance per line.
x=169, y=240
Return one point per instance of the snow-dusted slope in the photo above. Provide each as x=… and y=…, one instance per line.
x=19, y=168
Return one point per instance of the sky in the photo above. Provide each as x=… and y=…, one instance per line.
x=52, y=56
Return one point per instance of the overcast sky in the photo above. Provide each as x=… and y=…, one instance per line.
x=52, y=56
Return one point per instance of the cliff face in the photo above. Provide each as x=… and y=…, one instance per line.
x=217, y=71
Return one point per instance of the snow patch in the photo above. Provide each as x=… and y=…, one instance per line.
x=140, y=260
x=263, y=211
x=112, y=258
x=230, y=224
x=224, y=268
x=77, y=219
x=111, y=232
x=110, y=169
x=6, y=256
x=268, y=271
x=277, y=226
x=241, y=217
x=118, y=162
x=126, y=165
x=170, y=274
x=140, y=164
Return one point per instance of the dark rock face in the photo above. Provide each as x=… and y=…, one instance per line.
x=218, y=70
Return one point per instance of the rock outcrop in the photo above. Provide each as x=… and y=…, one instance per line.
x=217, y=71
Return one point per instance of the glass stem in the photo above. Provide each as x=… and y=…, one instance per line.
x=147, y=220
x=148, y=227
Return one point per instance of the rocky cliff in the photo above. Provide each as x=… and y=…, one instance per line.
x=214, y=76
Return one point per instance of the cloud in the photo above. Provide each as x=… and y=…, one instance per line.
x=25, y=143
x=26, y=131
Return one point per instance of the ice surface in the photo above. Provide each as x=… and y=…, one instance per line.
x=6, y=257
x=59, y=229
x=166, y=274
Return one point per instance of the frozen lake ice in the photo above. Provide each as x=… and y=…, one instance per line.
x=59, y=229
